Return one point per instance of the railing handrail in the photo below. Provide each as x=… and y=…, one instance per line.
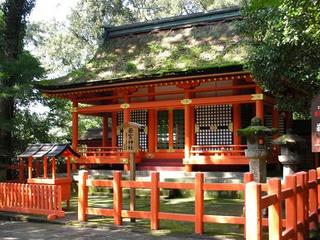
x=216, y=146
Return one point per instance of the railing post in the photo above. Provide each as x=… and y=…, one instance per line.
x=82, y=195
x=275, y=219
x=247, y=177
x=318, y=189
x=300, y=207
x=155, y=201
x=253, y=214
x=117, y=198
x=313, y=201
x=306, y=204
x=199, y=203
x=291, y=204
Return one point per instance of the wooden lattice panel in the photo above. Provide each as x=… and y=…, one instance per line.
x=141, y=117
x=119, y=130
x=137, y=116
x=178, y=129
x=213, y=125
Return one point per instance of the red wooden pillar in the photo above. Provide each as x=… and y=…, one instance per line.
x=155, y=201
x=313, y=200
x=126, y=119
x=53, y=167
x=68, y=167
x=114, y=129
x=75, y=122
x=275, y=217
x=301, y=206
x=253, y=213
x=104, y=130
x=29, y=167
x=259, y=105
x=75, y=129
x=151, y=124
x=236, y=108
x=199, y=204
x=45, y=167
x=187, y=129
x=117, y=198
x=126, y=111
x=291, y=205
x=82, y=196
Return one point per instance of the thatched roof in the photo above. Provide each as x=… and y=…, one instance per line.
x=168, y=46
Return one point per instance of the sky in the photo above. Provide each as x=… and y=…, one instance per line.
x=46, y=10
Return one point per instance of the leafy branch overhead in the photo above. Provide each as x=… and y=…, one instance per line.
x=284, y=49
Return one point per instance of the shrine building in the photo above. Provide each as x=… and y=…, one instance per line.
x=183, y=80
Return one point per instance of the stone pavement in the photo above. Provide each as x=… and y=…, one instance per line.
x=30, y=230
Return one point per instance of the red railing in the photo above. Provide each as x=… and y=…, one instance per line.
x=99, y=151
x=31, y=199
x=199, y=186
x=107, y=155
x=217, y=154
x=299, y=194
x=218, y=150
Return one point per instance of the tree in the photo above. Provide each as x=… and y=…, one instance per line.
x=284, y=49
x=17, y=68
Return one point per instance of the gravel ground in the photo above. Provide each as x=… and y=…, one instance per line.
x=29, y=230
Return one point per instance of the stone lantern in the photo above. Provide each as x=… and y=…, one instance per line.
x=290, y=145
x=256, y=150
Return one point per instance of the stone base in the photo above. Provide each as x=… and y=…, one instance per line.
x=259, y=169
x=257, y=163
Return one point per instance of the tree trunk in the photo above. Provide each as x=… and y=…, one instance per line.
x=15, y=12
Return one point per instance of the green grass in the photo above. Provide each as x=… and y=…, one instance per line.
x=213, y=206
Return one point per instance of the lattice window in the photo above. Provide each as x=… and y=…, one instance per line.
x=119, y=130
x=163, y=130
x=141, y=117
x=178, y=129
x=213, y=123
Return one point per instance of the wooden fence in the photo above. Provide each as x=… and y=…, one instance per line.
x=31, y=199
x=199, y=186
x=299, y=195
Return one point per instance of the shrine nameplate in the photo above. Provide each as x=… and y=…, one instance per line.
x=130, y=137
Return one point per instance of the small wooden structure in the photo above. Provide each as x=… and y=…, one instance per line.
x=47, y=154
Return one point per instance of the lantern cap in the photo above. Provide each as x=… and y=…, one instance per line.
x=288, y=138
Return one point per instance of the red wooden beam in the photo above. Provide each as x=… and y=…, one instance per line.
x=169, y=104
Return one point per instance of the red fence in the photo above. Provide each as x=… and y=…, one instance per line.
x=300, y=196
x=31, y=199
x=199, y=186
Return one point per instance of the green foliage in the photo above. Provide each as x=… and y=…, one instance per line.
x=284, y=49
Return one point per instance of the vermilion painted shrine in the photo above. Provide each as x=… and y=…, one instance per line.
x=183, y=79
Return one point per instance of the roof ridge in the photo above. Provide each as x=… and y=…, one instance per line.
x=172, y=22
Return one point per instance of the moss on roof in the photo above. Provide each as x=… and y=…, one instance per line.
x=197, y=47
